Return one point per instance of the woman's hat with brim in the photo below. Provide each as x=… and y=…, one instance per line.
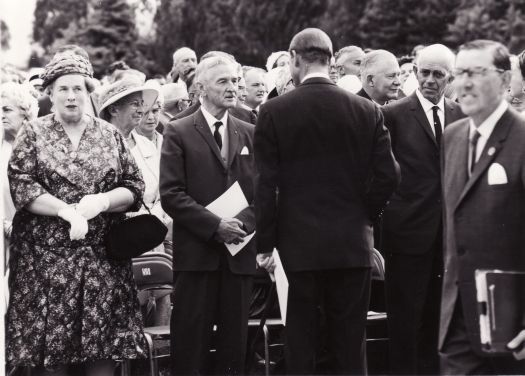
x=122, y=88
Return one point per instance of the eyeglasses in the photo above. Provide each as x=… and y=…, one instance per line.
x=475, y=72
x=436, y=73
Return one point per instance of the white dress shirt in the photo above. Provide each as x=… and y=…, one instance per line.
x=427, y=107
x=485, y=129
x=211, y=120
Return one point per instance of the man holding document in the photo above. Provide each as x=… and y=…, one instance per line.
x=203, y=155
x=326, y=171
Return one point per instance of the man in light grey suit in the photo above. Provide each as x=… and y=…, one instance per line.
x=484, y=205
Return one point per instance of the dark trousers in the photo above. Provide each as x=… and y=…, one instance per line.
x=343, y=295
x=458, y=358
x=202, y=299
x=413, y=297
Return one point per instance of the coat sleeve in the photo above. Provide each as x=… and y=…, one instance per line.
x=267, y=162
x=176, y=202
x=385, y=172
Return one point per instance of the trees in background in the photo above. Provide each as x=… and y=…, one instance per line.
x=252, y=29
x=5, y=35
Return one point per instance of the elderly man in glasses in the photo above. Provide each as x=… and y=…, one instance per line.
x=484, y=200
x=412, y=226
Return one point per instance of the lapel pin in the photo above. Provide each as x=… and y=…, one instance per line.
x=491, y=151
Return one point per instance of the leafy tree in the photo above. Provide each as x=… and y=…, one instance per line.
x=5, y=35
x=52, y=18
x=341, y=22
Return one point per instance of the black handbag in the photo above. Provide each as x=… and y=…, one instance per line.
x=134, y=236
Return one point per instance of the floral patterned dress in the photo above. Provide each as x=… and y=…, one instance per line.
x=69, y=303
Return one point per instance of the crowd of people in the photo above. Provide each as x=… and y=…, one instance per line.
x=338, y=153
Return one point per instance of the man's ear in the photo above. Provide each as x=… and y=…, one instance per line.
x=415, y=69
x=370, y=80
x=113, y=110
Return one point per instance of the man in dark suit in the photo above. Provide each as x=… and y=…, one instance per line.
x=202, y=156
x=484, y=201
x=412, y=227
x=328, y=155
x=379, y=77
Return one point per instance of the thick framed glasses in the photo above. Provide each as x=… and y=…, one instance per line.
x=475, y=72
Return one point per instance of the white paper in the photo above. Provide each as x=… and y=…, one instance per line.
x=228, y=205
x=236, y=248
x=281, y=283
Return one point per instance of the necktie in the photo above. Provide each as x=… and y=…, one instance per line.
x=473, y=145
x=217, y=135
x=437, y=125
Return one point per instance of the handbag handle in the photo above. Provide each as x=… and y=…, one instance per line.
x=144, y=204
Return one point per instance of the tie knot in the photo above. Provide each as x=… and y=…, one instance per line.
x=435, y=109
x=217, y=125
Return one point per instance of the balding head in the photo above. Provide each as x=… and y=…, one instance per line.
x=312, y=40
x=380, y=75
x=310, y=51
x=438, y=54
x=184, y=62
x=433, y=71
x=348, y=60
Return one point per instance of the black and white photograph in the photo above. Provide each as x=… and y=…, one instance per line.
x=262, y=187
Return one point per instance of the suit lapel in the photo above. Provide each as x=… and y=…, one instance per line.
x=202, y=127
x=490, y=151
x=456, y=164
x=419, y=114
x=233, y=139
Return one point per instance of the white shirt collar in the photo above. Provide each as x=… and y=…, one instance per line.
x=427, y=105
x=210, y=119
x=315, y=74
x=485, y=129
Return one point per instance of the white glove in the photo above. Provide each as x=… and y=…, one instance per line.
x=79, y=225
x=92, y=205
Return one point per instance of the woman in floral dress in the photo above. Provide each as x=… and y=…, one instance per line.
x=71, y=177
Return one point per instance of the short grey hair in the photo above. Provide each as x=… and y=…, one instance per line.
x=371, y=60
x=206, y=64
x=179, y=52
x=437, y=50
x=21, y=95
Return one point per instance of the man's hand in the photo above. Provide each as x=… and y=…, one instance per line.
x=266, y=261
x=230, y=231
x=518, y=346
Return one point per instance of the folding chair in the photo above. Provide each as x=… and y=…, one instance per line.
x=153, y=271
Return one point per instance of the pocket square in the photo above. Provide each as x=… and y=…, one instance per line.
x=497, y=174
x=245, y=151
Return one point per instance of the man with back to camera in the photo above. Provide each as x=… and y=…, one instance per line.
x=334, y=170
x=412, y=232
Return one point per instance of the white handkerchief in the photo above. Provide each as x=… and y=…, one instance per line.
x=497, y=174
x=244, y=151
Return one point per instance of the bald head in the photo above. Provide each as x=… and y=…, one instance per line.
x=433, y=71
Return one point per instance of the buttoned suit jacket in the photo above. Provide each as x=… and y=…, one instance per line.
x=192, y=175
x=484, y=224
x=328, y=154
x=412, y=219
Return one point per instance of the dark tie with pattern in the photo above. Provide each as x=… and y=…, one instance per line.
x=217, y=135
x=437, y=125
x=473, y=145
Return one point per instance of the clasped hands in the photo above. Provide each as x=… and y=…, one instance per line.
x=230, y=230
x=77, y=215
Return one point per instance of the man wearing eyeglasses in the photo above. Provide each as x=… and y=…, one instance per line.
x=412, y=227
x=484, y=201
x=380, y=77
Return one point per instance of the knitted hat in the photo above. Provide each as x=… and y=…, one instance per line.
x=66, y=63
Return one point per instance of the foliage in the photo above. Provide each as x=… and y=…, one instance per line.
x=5, y=35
